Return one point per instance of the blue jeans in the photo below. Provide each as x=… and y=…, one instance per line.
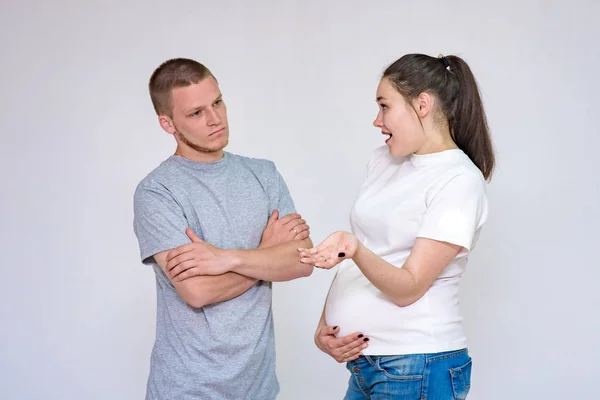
x=439, y=376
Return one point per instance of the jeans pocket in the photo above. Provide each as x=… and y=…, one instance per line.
x=461, y=380
x=403, y=368
x=398, y=377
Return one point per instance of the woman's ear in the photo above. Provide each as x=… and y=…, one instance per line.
x=423, y=104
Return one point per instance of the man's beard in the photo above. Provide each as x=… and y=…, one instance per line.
x=194, y=146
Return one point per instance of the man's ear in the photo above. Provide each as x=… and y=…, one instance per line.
x=166, y=123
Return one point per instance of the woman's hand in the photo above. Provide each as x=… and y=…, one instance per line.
x=344, y=349
x=335, y=248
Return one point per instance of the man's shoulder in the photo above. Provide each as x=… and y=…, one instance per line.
x=157, y=178
x=260, y=165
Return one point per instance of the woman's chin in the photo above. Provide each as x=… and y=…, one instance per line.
x=395, y=151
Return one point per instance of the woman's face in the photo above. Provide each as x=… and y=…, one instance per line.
x=398, y=120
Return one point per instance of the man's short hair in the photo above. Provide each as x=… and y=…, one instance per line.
x=174, y=73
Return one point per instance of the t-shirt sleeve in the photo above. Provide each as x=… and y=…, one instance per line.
x=159, y=222
x=456, y=212
x=284, y=202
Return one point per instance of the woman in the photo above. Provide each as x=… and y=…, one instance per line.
x=392, y=312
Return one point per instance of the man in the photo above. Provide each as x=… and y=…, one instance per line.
x=208, y=221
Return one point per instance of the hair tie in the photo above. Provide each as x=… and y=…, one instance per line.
x=444, y=61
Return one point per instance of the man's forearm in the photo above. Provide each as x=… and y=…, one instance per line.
x=276, y=263
x=200, y=291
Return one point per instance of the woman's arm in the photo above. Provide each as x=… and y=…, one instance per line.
x=453, y=215
x=406, y=285
x=403, y=286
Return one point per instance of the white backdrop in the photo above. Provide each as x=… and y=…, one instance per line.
x=78, y=132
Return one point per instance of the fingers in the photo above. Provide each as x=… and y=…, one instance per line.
x=294, y=223
x=289, y=218
x=359, y=354
x=327, y=263
x=188, y=273
x=179, y=259
x=351, y=348
x=302, y=235
x=324, y=260
x=319, y=260
x=324, y=338
x=180, y=250
x=190, y=233
x=346, y=348
x=307, y=252
x=331, y=330
x=296, y=226
x=273, y=217
x=308, y=260
x=301, y=227
x=326, y=252
x=177, y=270
x=346, y=340
x=353, y=354
x=301, y=231
x=323, y=247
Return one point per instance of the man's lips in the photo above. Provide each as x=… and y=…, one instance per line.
x=217, y=132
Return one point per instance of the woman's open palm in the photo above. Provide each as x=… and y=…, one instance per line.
x=335, y=248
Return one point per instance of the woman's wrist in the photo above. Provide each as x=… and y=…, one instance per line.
x=358, y=252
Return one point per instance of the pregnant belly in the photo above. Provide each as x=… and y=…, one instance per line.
x=356, y=305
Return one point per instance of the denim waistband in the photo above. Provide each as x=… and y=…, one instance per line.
x=430, y=357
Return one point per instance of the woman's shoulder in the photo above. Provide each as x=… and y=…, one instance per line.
x=461, y=178
x=467, y=171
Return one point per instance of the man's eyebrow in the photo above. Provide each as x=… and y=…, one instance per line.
x=194, y=109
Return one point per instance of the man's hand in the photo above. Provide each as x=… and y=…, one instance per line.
x=196, y=258
x=291, y=227
x=342, y=349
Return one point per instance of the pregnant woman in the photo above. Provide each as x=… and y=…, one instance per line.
x=392, y=312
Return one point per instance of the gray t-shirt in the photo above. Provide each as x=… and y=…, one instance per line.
x=224, y=350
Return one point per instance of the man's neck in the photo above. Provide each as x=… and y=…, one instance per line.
x=199, y=156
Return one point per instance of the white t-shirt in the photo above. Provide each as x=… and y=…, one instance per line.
x=440, y=196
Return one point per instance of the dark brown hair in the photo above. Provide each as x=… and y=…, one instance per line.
x=177, y=72
x=451, y=81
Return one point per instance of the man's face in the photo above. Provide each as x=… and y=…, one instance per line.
x=199, y=118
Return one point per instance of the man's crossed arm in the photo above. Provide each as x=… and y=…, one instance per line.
x=203, y=274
